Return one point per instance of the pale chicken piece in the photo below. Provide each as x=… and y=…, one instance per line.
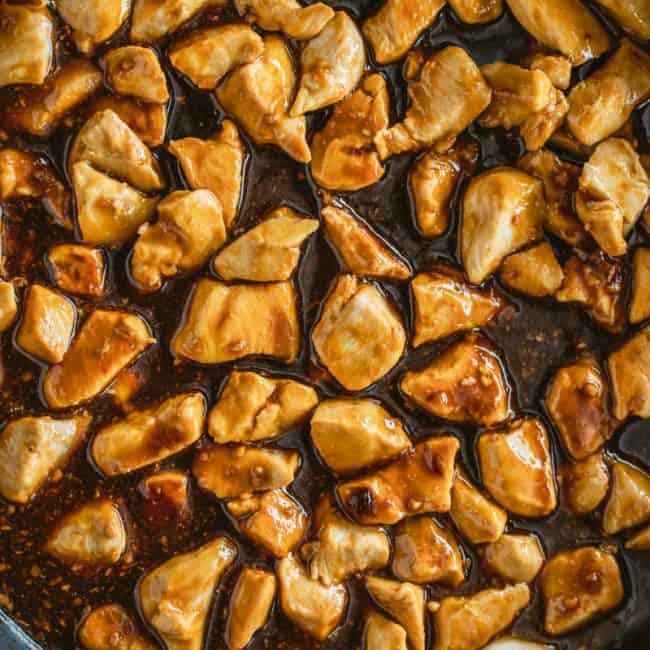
x=136, y=71
x=313, y=607
x=629, y=500
x=353, y=434
x=175, y=597
x=32, y=448
x=417, y=483
x=584, y=483
x=268, y=252
x=78, y=269
x=446, y=304
x=165, y=498
x=640, y=541
x=632, y=15
x=381, y=633
x=516, y=558
x=258, y=95
x=92, y=535
x=475, y=12
x=106, y=343
x=47, y=324
x=640, y=302
x=448, y=96
x=205, y=56
x=556, y=67
x=149, y=435
x=359, y=337
x=534, y=271
x=512, y=643
x=630, y=379
x=463, y=383
x=362, y=251
x=111, y=627
x=577, y=586
x=332, y=65
x=226, y=322
x=8, y=305
x=503, y=210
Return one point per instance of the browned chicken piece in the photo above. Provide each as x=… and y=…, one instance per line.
x=534, y=271
x=111, y=627
x=629, y=500
x=632, y=15
x=226, y=322
x=539, y=127
x=78, y=269
x=205, y=56
x=448, y=96
x=577, y=586
x=463, y=383
x=360, y=336
x=446, y=304
x=258, y=95
x=190, y=228
x=149, y=435
x=556, y=67
x=433, y=181
x=128, y=384
x=628, y=372
x=255, y=407
x=584, y=483
x=268, y=252
x=136, y=71
x=106, y=343
x=343, y=155
x=250, y=605
x=381, y=633
x=602, y=103
x=313, y=607
x=475, y=12
x=31, y=448
x=417, y=483
x=503, y=210
x=517, y=469
x=353, y=434
x=578, y=403
x=8, y=305
x=516, y=558
x=393, y=30
x=425, y=552
x=165, y=499
x=47, y=324
x=640, y=302
x=176, y=596
x=362, y=251
x=640, y=541
x=469, y=622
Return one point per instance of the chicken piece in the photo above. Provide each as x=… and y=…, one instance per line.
x=426, y=552
x=205, y=56
x=463, y=383
x=584, y=484
x=577, y=586
x=250, y=605
x=136, y=71
x=332, y=65
x=417, y=483
x=258, y=96
x=517, y=469
x=106, y=343
x=503, y=210
x=534, y=271
x=32, y=448
x=578, y=403
x=433, y=182
x=632, y=15
x=226, y=322
x=448, y=96
x=537, y=129
x=92, y=535
x=359, y=337
x=475, y=12
x=511, y=643
x=313, y=607
x=8, y=306
x=353, y=434
x=516, y=558
x=150, y=435
x=46, y=328
x=446, y=304
x=268, y=252
x=254, y=407
x=602, y=103
x=630, y=381
x=381, y=633
x=343, y=155
x=629, y=500
x=111, y=627
x=78, y=269
x=640, y=302
x=175, y=597
x=362, y=251
x=165, y=499
x=469, y=622
x=556, y=67
x=640, y=541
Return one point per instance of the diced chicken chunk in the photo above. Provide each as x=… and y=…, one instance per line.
x=136, y=71
x=381, y=633
x=632, y=15
x=165, y=498
x=556, y=67
x=629, y=500
x=534, y=271
x=516, y=558
x=640, y=541
x=111, y=627
x=8, y=305
x=584, y=483
x=512, y=643
x=477, y=11
x=78, y=269
x=630, y=379
x=640, y=302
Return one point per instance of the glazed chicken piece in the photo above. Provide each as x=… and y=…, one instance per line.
x=136, y=71
x=32, y=448
x=463, y=383
x=353, y=434
x=362, y=251
x=534, y=271
x=577, y=586
x=477, y=11
x=628, y=372
x=381, y=633
x=255, y=407
x=268, y=252
x=175, y=597
x=640, y=302
x=46, y=328
x=8, y=306
x=555, y=66
x=165, y=499
x=640, y=541
x=77, y=269
x=360, y=336
x=106, y=343
x=111, y=627
x=417, y=483
x=632, y=15
x=517, y=469
x=629, y=500
x=313, y=607
x=258, y=96
x=515, y=558
x=149, y=435
x=503, y=210
x=584, y=483
x=448, y=96
x=226, y=322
